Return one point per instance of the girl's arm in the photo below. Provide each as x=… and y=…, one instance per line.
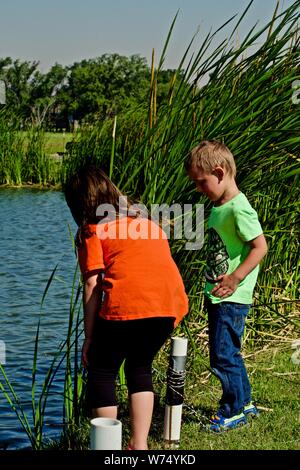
x=229, y=283
x=92, y=294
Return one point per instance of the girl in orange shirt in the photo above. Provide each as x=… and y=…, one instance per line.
x=133, y=296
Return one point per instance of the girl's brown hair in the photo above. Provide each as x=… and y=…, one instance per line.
x=85, y=190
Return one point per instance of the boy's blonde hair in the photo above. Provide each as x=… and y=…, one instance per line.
x=209, y=154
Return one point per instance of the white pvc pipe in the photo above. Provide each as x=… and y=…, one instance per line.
x=173, y=408
x=172, y=424
x=105, y=434
x=178, y=346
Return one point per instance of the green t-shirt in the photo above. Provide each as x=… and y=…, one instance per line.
x=231, y=227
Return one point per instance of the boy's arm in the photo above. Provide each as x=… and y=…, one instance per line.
x=229, y=283
x=92, y=293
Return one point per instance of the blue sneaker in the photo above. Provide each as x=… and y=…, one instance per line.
x=220, y=424
x=251, y=410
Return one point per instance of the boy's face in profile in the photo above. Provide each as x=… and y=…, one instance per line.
x=210, y=184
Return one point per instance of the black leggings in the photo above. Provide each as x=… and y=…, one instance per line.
x=136, y=341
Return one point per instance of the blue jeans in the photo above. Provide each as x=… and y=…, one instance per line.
x=226, y=322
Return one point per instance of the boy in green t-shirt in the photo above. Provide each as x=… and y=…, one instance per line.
x=236, y=245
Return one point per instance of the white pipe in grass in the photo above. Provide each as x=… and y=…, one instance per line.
x=105, y=434
x=175, y=389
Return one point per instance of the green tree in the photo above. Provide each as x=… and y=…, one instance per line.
x=90, y=90
x=104, y=86
x=45, y=93
x=19, y=78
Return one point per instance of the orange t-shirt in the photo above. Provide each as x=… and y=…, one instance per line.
x=141, y=279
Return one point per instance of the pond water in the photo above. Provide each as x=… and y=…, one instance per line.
x=34, y=239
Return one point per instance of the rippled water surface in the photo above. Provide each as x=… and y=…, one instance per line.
x=34, y=238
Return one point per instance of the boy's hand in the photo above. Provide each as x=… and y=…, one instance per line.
x=226, y=287
x=228, y=283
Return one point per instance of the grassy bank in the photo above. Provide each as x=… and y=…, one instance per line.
x=33, y=159
x=25, y=158
x=39, y=161
x=275, y=380
x=55, y=142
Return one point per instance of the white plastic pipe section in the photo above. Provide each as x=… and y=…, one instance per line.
x=175, y=389
x=105, y=434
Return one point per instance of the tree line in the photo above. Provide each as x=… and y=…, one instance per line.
x=85, y=91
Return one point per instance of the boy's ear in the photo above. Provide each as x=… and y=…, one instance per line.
x=219, y=172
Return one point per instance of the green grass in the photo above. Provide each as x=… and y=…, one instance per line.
x=275, y=382
x=55, y=142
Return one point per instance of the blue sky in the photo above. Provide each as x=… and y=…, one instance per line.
x=67, y=31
